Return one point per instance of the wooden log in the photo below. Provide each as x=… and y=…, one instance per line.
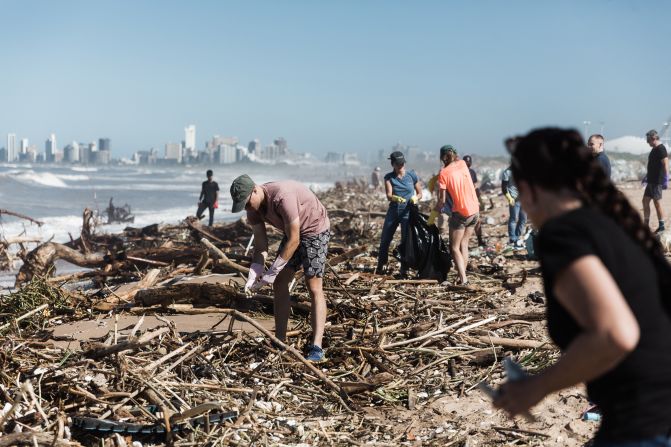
x=196, y=226
x=207, y=294
x=429, y=335
x=513, y=343
x=224, y=260
x=20, y=216
x=96, y=351
x=40, y=261
x=35, y=438
x=127, y=292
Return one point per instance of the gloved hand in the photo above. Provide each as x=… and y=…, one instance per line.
x=414, y=199
x=432, y=217
x=216, y=204
x=271, y=274
x=665, y=182
x=510, y=199
x=255, y=270
x=398, y=199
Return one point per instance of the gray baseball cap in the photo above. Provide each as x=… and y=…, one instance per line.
x=241, y=189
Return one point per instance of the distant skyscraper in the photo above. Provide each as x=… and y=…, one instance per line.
x=24, y=145
x=254, y=147
x=281, y=144
x=173, y=151
x=11, y=147
x=50, y=149
x=190, y=138
x=85, y=156
x=70, y=153
x=104, y=144
x=227, y=154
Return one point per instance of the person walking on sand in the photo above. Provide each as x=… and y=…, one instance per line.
x=293, y=209
x=474, y=176
x=402, y=187
x=657, y=179
x=209, y=197
x=517, y=218
x=455, y=182
x=608, y=290
x=375, y=180
x=595, y=143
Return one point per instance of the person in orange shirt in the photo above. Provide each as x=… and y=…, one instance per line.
x=455, y=182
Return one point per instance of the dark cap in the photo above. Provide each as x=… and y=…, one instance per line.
x=241, y=189
x=397, y=157
x=447, y=148
x=467, y=159
x=209, y=173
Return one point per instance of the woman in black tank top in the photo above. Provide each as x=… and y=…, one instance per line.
x=607, y=285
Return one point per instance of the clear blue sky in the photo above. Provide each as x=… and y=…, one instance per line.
x=331, y=76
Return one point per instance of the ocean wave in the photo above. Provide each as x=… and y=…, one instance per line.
x=40, y=178
x=83, y=169
x=73, y=177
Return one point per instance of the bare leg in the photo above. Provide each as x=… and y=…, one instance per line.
x=318, y=314
x=646, y=210
x=456, y=236
x=282, y=305
x=658, y=208
x=468, y=232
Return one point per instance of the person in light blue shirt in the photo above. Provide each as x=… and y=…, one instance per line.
x=402, y=187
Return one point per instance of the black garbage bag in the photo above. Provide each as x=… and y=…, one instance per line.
x=424, y=250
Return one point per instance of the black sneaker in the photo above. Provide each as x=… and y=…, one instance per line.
x=660, y=229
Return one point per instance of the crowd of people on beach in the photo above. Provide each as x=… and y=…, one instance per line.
x=605, y=275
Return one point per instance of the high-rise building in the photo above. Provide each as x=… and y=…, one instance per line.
x=227, y=154
x=85, y=156
x=70, y=153
x=104, y=144
x=254, y=147
x=173, y=151
x=190, y=138
x=50, y=149
x=281, y=144
x=11, y=147
x=24, y=145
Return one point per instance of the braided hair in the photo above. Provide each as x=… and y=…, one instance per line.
x=555, y=159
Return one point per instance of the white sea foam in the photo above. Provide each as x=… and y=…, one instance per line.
x=40, y=178
x=73, y=177
x=83, y=169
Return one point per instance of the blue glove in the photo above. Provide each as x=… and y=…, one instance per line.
x=665, y=183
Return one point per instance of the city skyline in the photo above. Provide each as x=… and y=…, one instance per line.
x=346, y=77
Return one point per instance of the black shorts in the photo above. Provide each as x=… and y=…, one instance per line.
x=310, y=254
x=653, y=191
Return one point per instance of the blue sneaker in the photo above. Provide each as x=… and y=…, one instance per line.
x=315, y=354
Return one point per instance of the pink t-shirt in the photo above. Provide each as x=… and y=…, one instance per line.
x=456, y=179
x=287, y=200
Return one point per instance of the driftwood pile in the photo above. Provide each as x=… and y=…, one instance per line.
x=392, y=344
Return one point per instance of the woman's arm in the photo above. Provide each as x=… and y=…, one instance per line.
x=418, y=189
x=388, y=189
x=609, y=333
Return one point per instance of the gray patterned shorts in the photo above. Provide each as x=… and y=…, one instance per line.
x=310, y=254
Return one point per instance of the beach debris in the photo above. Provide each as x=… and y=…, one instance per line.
x=391, y=344
x=118, y=214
